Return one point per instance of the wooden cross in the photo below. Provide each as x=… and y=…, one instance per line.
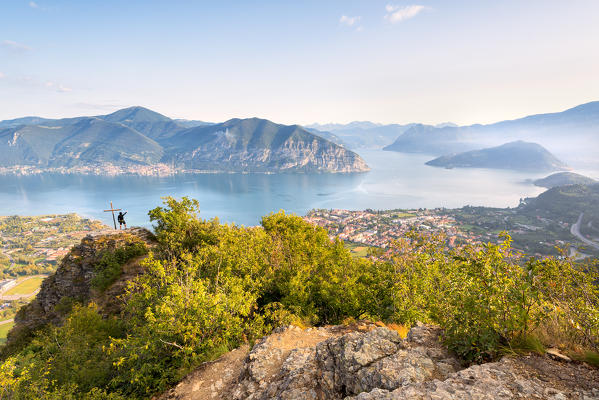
x=112, y=209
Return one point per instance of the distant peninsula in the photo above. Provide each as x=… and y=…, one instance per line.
x=139, y=141
x=518, y=155
x=562, y=179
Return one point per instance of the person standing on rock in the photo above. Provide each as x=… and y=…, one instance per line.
x=121, y=219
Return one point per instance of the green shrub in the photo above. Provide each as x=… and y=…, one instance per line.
x=488, y=297
x=65, y=362
x=110, y=266
x=526, y=343
x=208, y=287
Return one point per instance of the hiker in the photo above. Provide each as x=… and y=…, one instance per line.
x=121, y=219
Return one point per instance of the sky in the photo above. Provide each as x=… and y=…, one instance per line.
x=428, y=61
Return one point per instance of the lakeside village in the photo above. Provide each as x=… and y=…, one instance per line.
x=32, y=247
x=378, y=228
x=105, y=169
x=109, y=169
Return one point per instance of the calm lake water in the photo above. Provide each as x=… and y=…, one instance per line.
x=396, y=181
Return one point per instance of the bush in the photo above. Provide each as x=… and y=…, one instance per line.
x=64, y=362
x=208, y=287
x=110, y=267
x=489, y=298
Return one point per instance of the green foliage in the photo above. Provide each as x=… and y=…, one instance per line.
x=489, y=298
x=110, y=267
x=526, y=343
x=308, y=273
x=208, y=287
x=64, y=362
x=592, y=358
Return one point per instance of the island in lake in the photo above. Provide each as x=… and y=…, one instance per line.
x=518, y=155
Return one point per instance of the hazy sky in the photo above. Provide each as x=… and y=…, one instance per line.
x=299, y=61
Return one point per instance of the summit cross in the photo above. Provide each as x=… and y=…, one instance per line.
x=112, y=209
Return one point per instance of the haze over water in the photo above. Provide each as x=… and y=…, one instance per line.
x=396, y=181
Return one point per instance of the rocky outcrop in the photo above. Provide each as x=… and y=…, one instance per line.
x=72, y=282
x=368, y=362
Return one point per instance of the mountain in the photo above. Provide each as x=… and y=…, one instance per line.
x=328, y=136
x=259, y=145
x=518, y=155
x=573, y=135
x=564, y=178
x=145, y=121
x=331, y=127
x=566, y=201
x=362, y=134
x=445, y=125
x=190, y=123
x=366, y=134
x=136, y=136
x=427, y=139
x=10, y=123
x=76, y=143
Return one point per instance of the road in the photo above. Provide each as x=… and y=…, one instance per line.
x=575, y=230
x=6, y=321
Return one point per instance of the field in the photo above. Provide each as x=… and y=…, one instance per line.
x=25, y=286
x=357, y=250
x=402, y=215
x=4, y=328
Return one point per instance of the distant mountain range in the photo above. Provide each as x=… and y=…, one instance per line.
x=359, y=135
x=518, y=155
x=365, y=134
x=572, y=135
x=138, y=137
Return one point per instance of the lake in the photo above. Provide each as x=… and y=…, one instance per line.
x=396, y=181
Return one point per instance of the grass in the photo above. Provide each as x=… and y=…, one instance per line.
x=527, y=344
x=25, y=286
x=4, y=328
x=592, y=358
x=357, y=249
x=402, y=215
x=360, y=251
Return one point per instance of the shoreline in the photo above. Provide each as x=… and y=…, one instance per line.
x=151, y=172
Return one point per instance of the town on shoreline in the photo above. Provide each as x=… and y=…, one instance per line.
x=531, y=234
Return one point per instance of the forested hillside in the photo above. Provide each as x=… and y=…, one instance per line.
x=135, y=138
x=128, y=315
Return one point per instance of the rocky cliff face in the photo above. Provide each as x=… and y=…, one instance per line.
x=366, y=362
x=72, y=282
x=293, y=155
x=257, y=145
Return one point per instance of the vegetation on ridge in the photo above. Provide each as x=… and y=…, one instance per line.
x=208, y=287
